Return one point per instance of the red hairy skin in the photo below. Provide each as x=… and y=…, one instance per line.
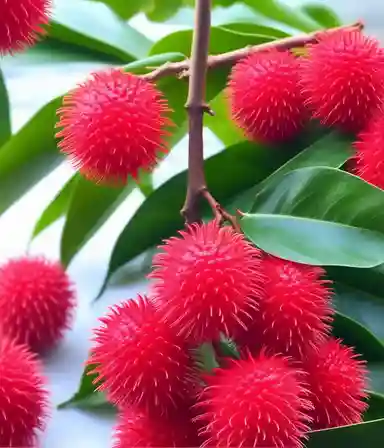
x=142, y=430
x=207, y=281
x=369, y=155
x=113, y=126
x=343, y=79
x=37, y=302
x=23, y=396
x=21, y=23
x=265, y=96
x=337, y=381
x=294, y=312
x=140, y=361
x=258, y=402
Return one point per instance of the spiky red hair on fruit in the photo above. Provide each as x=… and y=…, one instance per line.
x=23, y=395
x=337, y=382
x=21, y=23
x=295, y=310
x=369, y=156
x=142, y=430
x=113, y=126
x=255, y=402
x=265, y=96
x=37, y=301
x=343, y=79
x=140, y=360
x=207, y=281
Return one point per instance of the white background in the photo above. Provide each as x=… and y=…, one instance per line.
x=29, y=90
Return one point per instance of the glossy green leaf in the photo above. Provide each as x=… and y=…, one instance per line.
x=5, y=118
x=228, y=173
x=93, y=25
x=163, y=9
x=363, y=434
x=57, y=208
x=322, y=15
x=29, y=155
x=345, y=214
x=90, y=207
x=330, y=149
x=127, y=8
x=280, y=12
x=87, y=397
x=376, y=406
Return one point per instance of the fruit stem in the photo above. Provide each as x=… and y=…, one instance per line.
x=196, y=108
x=183, y=69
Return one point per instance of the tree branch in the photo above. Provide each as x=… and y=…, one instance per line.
x=183, y=69
x=196, y=107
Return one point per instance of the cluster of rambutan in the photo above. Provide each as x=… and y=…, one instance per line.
x=208, y=283
x=36, y=306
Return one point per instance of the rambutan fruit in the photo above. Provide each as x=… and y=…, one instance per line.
x=140, y=361
x=369, y=156
x=208, y=280
x=295, y=310
x=337, y=382
x=21, y=23
x=255, y=402
x=265, y=96
x=37, y=301
x=142, y=430
x=343, y=79
x=23, y=395
x=113, y=126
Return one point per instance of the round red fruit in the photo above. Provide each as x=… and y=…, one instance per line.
x=258, y=402
x=343, y=79
x=113, y=126
x=369, y=157
x=337, y=382
x=208, y=280
x=295, y=310
x=37, y=301
x=21, y=23
x=265, y=96
x=140, y=360
x=142, y=430
x=23, y=396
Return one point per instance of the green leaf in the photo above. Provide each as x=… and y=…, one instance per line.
x=90, y=207
x=251, y=28
x=345, y=214
x=125, y=8
x=332, y=149
x=376, y=406
x=5, y=118
x=228, y=173
x=322, y=15
x=57, y=208
x=94, y=26
x=279, y=12
x=29, y=155
x=87, y=397
x=162, y=10
x=363, y=434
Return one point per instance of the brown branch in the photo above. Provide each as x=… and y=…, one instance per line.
x=184, y=68
x=196, y=107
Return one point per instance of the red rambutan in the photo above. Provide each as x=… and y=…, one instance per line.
x=23, y=397
x=343, y=79
x=207, y=281
x=369, y=156
x=140, y=361
x=295, y=310
x=142, y=430
x=255, y=402
x=337, y=382
x=21, y=23
x=265, y=96
x=36, y=301
x=113, y=125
